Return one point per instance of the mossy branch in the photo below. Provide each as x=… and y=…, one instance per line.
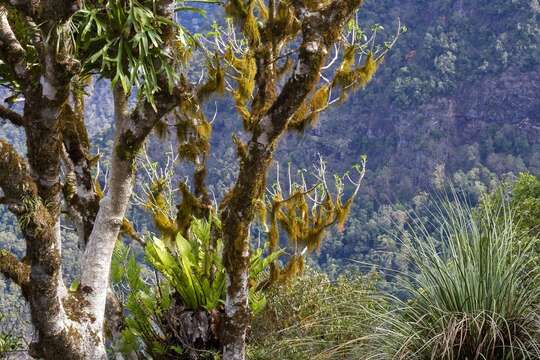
x=13, y=269
x=11, y=51
x=15, y=178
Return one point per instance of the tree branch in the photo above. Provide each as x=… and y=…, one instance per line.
x=13, y=269
x=17, y=186
x=14, y=117
x=144, y=117
x=11, y=51
x=79, y=193
x=320, y=30
x=15, y=179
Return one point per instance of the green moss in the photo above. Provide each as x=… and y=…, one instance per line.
x=128, y=146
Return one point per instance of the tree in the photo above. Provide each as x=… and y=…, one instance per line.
x=288, y=40
x=47, y=49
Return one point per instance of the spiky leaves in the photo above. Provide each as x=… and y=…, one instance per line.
x=127, y=42
x=476, y=292
x=192, y=287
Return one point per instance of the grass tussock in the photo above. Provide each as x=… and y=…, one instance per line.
x=476, y=295
x=315, y=318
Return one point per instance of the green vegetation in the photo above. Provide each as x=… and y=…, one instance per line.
x=522, y=198
x=314, y=317
x=476, y=295
x=457, y=104
x=471, y=292
x=8, y=341
x=188, y=281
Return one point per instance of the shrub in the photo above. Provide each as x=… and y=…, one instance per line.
x=475, y=295
x=525, y=202
x=8, y=342
x=177, y=314
x=313, y=318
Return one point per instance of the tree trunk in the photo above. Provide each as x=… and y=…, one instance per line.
x=237, y=216
x=68, y=325
x=238, y=210
x=98, y=252
x=40, y=216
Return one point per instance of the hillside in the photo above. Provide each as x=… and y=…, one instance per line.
x=457, y=99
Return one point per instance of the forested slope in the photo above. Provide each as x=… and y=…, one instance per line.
x=457, y=99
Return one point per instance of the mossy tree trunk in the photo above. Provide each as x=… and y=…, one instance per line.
x=68, y=324
x=319, y=30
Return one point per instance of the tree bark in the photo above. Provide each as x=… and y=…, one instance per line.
x=132, y=129
x=98, y=252
x=320, y=29
x=239, y=211
x=70, y=324
x=44, y=98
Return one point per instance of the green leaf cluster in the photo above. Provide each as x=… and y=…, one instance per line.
x=194, y=268
x=188, y=266
x=189, y=273
x=476, y=293
x=127, y=42
x=8, y=342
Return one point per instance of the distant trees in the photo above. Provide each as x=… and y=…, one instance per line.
x=522, y=198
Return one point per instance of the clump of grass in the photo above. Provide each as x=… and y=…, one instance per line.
x=476, y=294
x=316, y=318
